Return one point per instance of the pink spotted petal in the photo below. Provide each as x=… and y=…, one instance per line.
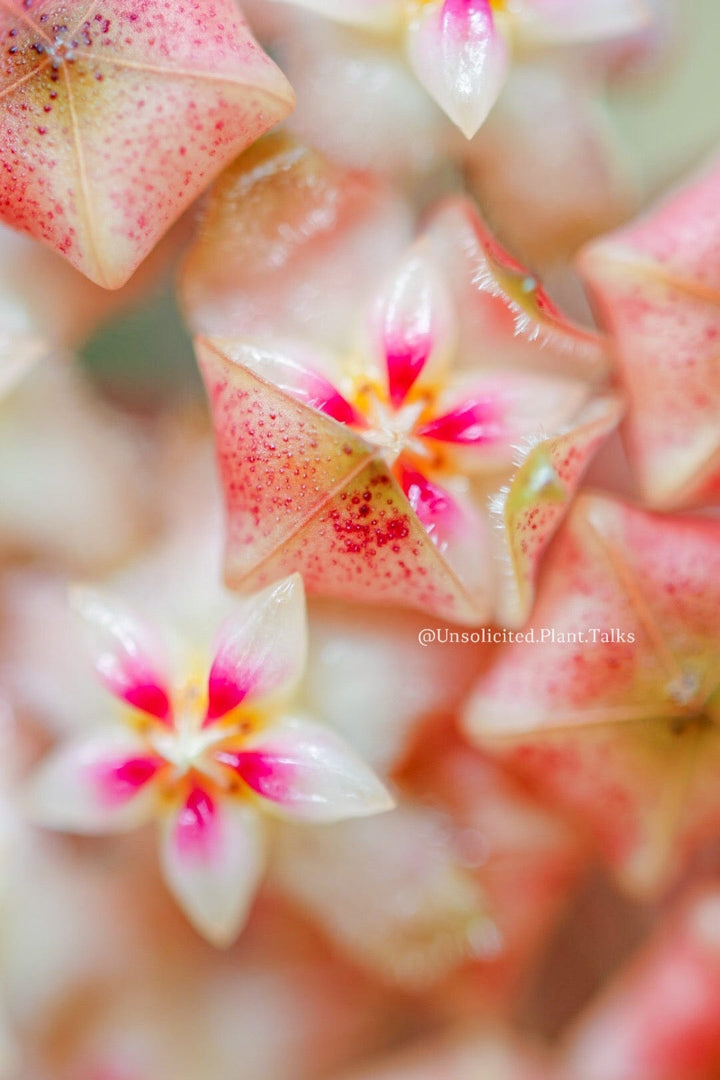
x=412, y=324
x=260, y=649
x=103, y=153
x=212, y=860
x=127, y=654
x=656, y=287
x=103, y=784
x=308, y=773
x=460, y=58
x=580, y=20
x=299, y=372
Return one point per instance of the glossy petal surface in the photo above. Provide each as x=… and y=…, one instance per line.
x=93, y=95
x=656, y=285
x=212, y=860
x=612, y=710
x=307, y=772
x=460, y=58
x=260, y=650
x=100, y=785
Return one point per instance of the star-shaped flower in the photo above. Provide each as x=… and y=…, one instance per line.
x=612, y=709
x=116, y=114
x=371, y=466
x=459, y=49
x=209, y=758
x=656, y=285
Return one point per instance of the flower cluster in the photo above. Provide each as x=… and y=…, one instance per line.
x=370, y=555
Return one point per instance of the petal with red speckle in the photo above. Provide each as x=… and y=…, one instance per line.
x=91, y=113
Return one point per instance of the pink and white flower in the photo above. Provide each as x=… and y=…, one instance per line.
x=611, y=707
x=656, y=286
x=92, y=98
x=447, y=432
x=460, y=49
x=206, y=757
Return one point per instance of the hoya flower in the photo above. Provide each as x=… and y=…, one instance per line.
x=207, y=755
x=116, y=114
x=447, y=431
x=459, y=49
x=612, y=712
x=656, y=285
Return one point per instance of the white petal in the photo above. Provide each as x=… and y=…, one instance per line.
x=413, y=324
x=311, y=774
x=212, y=859
x=261, y=648
x=126, y=651
x=383, y=15
x=460, y=58
x=580, y=20
x=102, y=784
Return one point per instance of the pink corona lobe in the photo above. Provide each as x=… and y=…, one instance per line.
x=149, y=698
x=405, y=360
x=431, y=503
x=468, y=16
x=269, y=776
x=224, y=695
x=194, y=831
x=472, y=423
x=118, y=783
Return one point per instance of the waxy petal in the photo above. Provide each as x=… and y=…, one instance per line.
x=607, y=712
x=308, y=773
x=470, y=424
x=261, y=648
x=91, y=115
x=306, y=494
x=456, y=526
x=381, y=15
x=413, y=325
x=460, y=58
x=126, y=652
x=212, y=860
x=300, y=372
x=537, y=499
x=656, y=285
x=102, y=784
x=502, y=307
x=579, y=20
